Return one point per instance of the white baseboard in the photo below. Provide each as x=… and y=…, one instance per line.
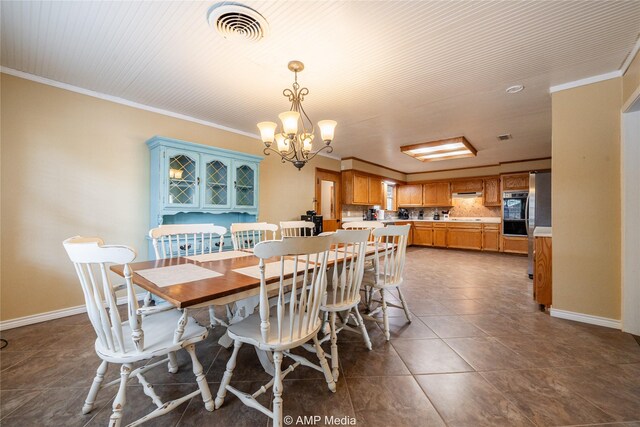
x=55, y=314
x=586, y=318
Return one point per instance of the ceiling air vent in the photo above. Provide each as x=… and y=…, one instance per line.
x=237, y=21
x=505, y=137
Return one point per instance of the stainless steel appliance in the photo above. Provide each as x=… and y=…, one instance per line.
x=403, y=213
x=514, y=213
x=539, y=208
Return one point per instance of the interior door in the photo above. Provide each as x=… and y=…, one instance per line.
x=328, y=203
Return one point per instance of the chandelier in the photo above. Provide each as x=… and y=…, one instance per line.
x=295, y=143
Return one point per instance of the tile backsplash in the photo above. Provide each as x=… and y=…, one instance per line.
x=462, y=207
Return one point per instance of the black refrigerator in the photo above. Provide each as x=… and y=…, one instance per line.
x=539, y=208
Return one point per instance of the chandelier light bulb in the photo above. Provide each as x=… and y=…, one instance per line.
x=289, y=121
x=282, y=143
x=327, y=129
x=267, y=132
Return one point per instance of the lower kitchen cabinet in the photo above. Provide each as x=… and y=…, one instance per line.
x=464, y=236
x=491, y=237
x=411, y=231
x=542, y=271
x=440, y=235
x=423, y=234
x=515, y=245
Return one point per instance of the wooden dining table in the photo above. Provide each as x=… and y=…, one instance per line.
x=229, y=287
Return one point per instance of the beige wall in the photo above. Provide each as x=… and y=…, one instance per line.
x=72, y=164
x=482, y=171
x=586, y=199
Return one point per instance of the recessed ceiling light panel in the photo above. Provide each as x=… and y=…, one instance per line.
x=515, y=88
x=445, y=149
x=237, y=21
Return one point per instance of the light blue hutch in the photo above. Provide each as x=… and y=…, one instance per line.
x=194, y=183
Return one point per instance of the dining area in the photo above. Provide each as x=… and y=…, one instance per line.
x=286, y=297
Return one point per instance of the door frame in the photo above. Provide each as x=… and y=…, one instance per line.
x=338, y=181
x=630, y=206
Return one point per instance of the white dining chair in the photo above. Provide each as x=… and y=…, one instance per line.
x=348, y=254
x=391, y=250
x=296, y=228
x=245, y=235
x=125, y=342
x=292, y=322
x=173, y=240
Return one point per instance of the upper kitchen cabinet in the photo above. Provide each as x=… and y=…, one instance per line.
x=361, y=189
x=517, y=181
x=410, y=195
x=188, y=177
x=466, y=186
x=437, y=194
x=491, y=193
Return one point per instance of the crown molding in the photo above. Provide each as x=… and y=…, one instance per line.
x=122, y=101
x=586, y=81
x=373, y=164
x=630, y=57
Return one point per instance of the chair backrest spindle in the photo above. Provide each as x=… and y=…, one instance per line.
x=175, y=240
x=245, y=235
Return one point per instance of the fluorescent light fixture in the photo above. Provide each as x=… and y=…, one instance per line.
x=445, y=149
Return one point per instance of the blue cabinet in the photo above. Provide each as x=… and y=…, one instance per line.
x=195, y=183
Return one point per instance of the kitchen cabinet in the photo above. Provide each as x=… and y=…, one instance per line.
x=542, y=285
x=466, y=185
x=542, y=289
x=361, y=189
x=437, y=194
x=464, y=236
x=411, y=230
x=410, y=195
x=519, y=181
x=440, y=235
x=515, y=245
x=423, y=234
x=491, y=237
x=491, y=193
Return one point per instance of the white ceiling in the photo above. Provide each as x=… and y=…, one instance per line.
x=390, y=73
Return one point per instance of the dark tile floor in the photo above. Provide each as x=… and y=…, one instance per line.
x=478, y=352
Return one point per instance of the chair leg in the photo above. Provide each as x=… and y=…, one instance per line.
x=325, y=366
x=385, y=316
x=228, y=373
x=200, y=378
x=212, y=316
x=334, y=347
x=405, y=307
x=172, y=365
x=363, y=328
x=121, y=397
x=95, y=387
x=277, y=389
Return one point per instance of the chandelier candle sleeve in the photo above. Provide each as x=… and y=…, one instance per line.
x=294, y=143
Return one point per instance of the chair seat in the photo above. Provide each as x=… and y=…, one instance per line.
x=379, y=284
x=336, y=303
x=248, y=331
x=158, y=338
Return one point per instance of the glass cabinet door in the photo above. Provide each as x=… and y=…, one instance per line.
x=244, y=185
x=217, y=174
x=182, y=179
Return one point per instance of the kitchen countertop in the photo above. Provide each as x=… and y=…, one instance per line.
x=542, y=232
x=481, y=220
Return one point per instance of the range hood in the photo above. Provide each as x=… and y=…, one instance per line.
x=467, y=194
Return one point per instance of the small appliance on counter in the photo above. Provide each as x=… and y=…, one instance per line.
x=445, y=215
x=436, y=216
x=421, y=214
x=371, y=215
x=316, y=219
x=403, y=213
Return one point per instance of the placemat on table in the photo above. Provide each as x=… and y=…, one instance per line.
x=175, y=274
x=217, y=256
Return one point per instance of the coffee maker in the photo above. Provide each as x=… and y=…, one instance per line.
x=403, y=213
x=371, y=215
